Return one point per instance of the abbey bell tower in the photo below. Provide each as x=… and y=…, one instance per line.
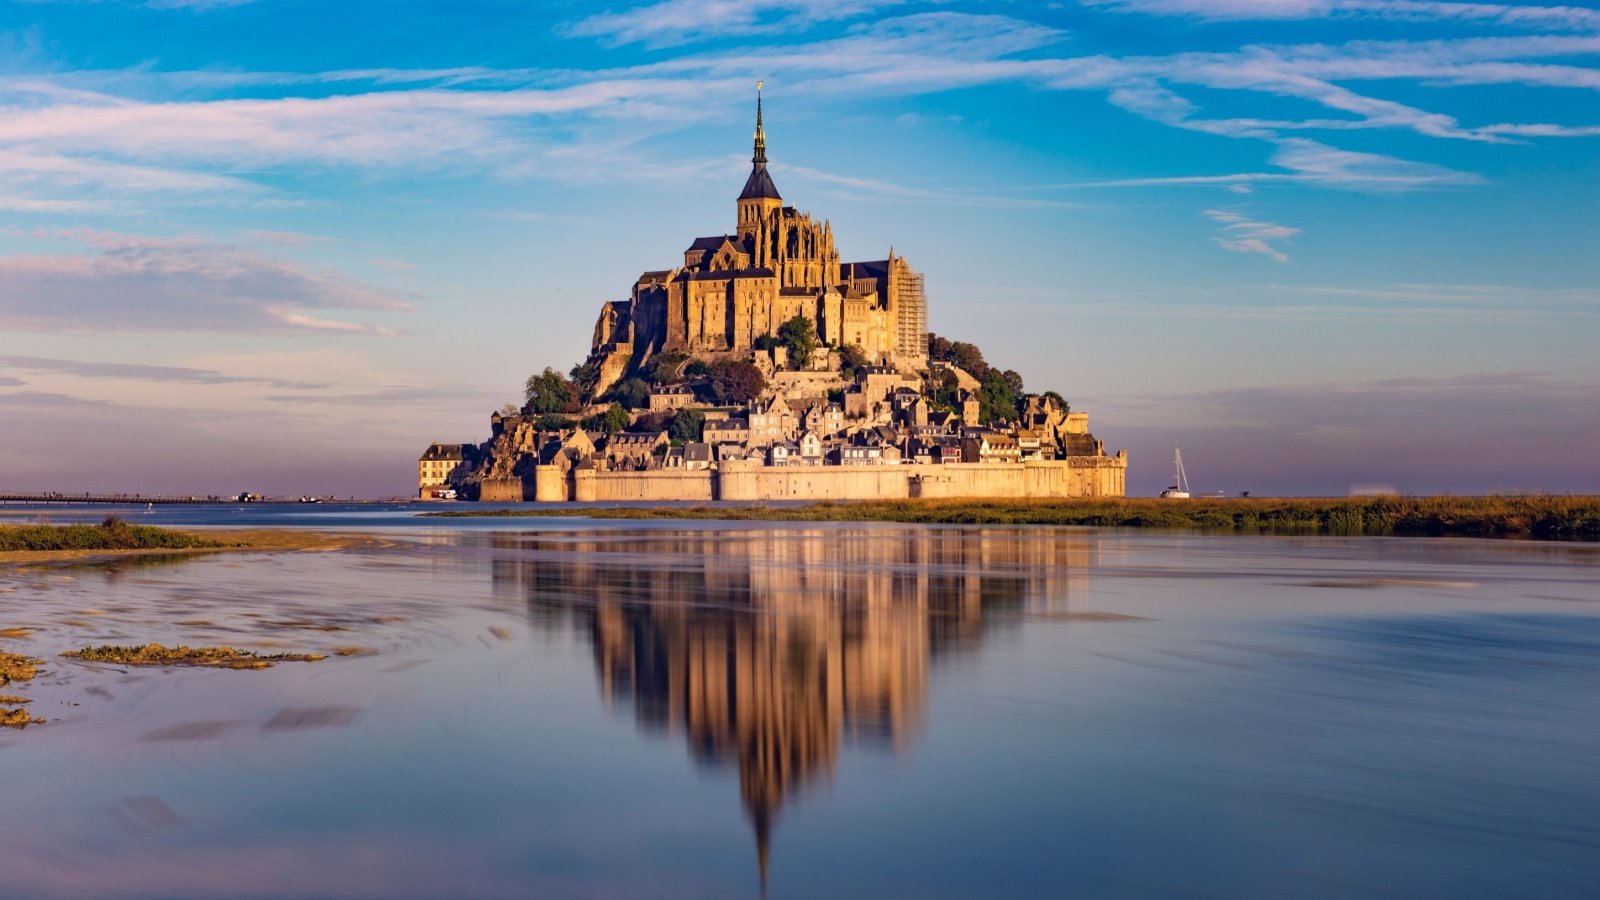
x=760, y=196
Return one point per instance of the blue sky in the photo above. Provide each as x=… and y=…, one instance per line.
x=281, y=245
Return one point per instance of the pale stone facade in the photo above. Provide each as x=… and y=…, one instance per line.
x=443, y=467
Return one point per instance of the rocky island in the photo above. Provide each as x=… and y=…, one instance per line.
x=766, y=368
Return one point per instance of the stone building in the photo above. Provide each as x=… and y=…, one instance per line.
x=733, y=289
x=444, y=467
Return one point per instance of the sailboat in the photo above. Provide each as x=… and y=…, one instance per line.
x=1180, y=481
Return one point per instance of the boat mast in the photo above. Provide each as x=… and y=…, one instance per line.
x=1181, y=477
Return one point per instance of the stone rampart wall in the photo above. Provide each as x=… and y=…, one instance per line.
x=676, y=484
x=502, y=490
x=750, y=481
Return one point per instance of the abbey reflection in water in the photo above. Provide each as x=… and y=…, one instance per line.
x=767, y=648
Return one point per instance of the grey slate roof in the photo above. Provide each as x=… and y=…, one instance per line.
x=759, y=185
x=708, y=243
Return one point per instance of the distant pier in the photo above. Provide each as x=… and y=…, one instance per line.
x=108, y=499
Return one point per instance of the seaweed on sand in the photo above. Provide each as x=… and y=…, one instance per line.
x=158, y=655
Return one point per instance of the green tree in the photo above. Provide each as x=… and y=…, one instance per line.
x=696, y=368
x=970, y=358
x=686, y=425
x=1060, y=400
x=735, y=383
x=948, y=394
x=632, y=393
x=584, y=378
x=613, y=420
x=553, y=422
x=851, y=358
x=652, y=422
x=996, y=398
x=799, y=334
x=549, y=392
x=663, y=369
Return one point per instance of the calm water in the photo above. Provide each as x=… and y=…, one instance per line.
x=562, y=708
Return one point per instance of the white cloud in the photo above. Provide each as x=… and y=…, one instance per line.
x=1537, y=17
x=81, y=141
x=1242, y=234
x=1322, y=164
x=1314, y=164
x=672, y=22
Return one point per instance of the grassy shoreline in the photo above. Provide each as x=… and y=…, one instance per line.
x=115, y=538
x=1548, y=517
x=112, y=534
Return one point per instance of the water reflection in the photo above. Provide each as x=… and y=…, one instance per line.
x=768, y=650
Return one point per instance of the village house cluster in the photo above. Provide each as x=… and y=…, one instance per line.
x=885, y=420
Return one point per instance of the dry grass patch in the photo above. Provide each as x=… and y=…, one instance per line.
x=18, y=718
x=158, y=655
x=16, y=667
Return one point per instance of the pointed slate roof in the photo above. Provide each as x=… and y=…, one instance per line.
x=759, y=185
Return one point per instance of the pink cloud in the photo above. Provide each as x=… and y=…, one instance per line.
x=1242, y=234
x=145, y=283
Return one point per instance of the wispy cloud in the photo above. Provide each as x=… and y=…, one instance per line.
x=671, y=22
x=73, y=141
x=1242, y=234
x=286, y=238
x=195, y=5
x=1535, y=17
x=1313, y=164
x=892, y=192
x=133, y=282
x=143, y=372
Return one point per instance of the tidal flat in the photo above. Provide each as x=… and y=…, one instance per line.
x=567, y=707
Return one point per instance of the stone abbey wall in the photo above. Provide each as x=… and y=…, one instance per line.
x=747, y=481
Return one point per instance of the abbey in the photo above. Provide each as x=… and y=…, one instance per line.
x=733, y=289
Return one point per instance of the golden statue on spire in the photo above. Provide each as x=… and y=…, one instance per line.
x=760, y=157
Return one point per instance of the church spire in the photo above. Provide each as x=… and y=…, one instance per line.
x=760, y=158
x=759, y=186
